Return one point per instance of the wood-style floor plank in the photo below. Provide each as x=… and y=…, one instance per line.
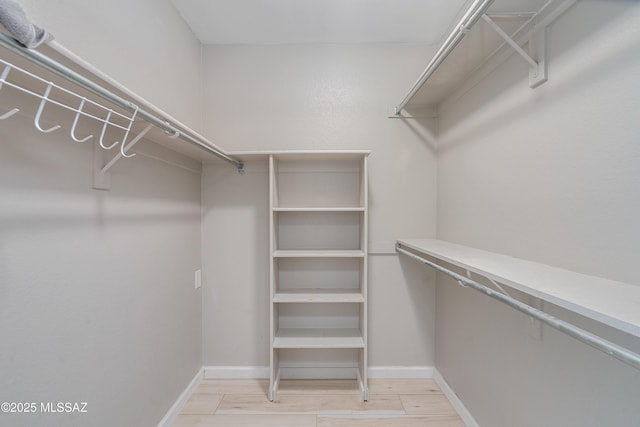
x=245, y=421
x=426, y=421
x=403, y=386
x=310, y=404
x=202, y=404
x=318, y=403
x=427, y=404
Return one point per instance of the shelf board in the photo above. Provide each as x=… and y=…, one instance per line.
x=480, y=51
x=615, y=304
x=318, y=254
x=319, y=209
x=303, y=154
x=318, y=338
x=318, y=296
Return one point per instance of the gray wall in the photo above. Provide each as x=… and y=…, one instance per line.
x=550, y=175
x=97, y=300
x=143, y=44
x=312, y=97
x=96, y=288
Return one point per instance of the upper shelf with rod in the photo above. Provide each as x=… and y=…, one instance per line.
x=487, y=32
x=609, y=302
x=112, y=105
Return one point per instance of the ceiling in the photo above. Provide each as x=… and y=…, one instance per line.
x=318, y=21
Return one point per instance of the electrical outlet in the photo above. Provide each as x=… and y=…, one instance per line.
x=198, y=278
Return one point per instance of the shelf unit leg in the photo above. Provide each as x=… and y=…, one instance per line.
x=273, y=390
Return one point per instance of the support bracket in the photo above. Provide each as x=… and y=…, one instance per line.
x=101, y=174
x=536, y=58
x=538, y=50
x=128, y=147
x=534, y=326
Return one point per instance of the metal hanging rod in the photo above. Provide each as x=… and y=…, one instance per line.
x=60, y=70
x=613, y=350
x=475, y=11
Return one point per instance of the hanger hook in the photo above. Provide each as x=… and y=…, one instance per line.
x=3, y=79
x=124, y=140
x=104, y=130
x=75, y=123
x=36, y=120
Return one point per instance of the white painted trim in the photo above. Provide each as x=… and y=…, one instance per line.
x=306, y=371
x=231, y=372
x=401, y=371
x=293, y=371
x=176, y=408
x=462, y=410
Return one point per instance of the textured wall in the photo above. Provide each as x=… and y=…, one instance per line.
x=312, y=97
x=550, y=175
x=144, y=44
x=97, y=299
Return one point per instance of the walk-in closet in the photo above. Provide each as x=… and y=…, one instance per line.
x=319, y=213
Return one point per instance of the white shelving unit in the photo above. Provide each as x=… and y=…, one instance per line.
x=318, y=262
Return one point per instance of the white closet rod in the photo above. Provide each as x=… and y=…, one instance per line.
x=613, y=350
x=55, y=67
x=475, y=11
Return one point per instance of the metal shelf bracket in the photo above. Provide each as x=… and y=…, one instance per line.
x=536, y=58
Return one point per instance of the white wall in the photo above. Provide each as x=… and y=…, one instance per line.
x=309, y=97
x=144, y=44
x=97, y=299
x=550, y=175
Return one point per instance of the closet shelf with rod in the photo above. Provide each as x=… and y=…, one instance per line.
x=108, y=117
x=477, y=44
x=612, y=303
x=112, y=111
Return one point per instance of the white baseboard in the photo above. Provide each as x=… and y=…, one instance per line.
x=305, y=371
x=294, y=371
x=175, y=409
x=229, y=372
x=401, y=372
x=462, y=411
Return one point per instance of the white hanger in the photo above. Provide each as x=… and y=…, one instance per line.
x=36, y=120
x=3, y=78
x=75, y=123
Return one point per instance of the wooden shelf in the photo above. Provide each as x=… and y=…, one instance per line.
x=318, y=296
x=318, y=338
x=318, y=254
x=615, y=304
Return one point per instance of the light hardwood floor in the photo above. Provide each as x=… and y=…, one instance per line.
x=318, y=403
